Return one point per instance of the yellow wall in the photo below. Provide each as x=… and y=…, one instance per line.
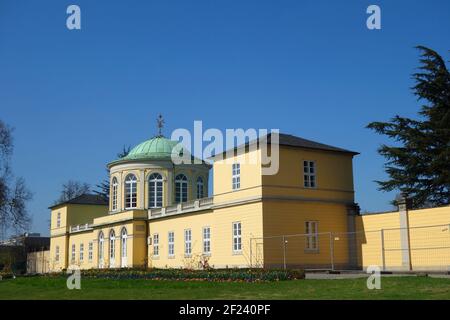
x=220, y=221
x=289, y=218
x=334, y=175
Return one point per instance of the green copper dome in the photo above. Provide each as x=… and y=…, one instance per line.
x=155, y=148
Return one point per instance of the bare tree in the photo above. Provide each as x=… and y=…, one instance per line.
x=13, y=193
x=72, y=189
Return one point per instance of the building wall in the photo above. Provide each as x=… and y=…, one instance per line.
x=289, y=218
x=220, y=222
x=428, y=230
x=38, y=262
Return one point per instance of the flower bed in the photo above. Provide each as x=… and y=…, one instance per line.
x=248, y=275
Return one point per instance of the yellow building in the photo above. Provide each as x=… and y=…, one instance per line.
x=159, y=213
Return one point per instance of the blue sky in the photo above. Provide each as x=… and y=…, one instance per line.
x=309, y=68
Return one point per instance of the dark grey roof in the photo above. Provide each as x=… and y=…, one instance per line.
x=93, y=199
x=297, y=142
x=293, y=141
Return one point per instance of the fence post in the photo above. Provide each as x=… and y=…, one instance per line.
x=284, y=252
x=332, y=250
x=251, y=254
x=383, y=257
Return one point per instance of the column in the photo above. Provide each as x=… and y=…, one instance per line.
x=352, y=212
x=404, y=204
x=141, y=189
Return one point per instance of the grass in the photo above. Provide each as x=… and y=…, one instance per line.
x=392, y=288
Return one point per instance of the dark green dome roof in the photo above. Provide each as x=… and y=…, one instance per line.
x=155, y=148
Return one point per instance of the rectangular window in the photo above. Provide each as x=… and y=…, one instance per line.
x=171, y=244
x=237, y=237
x=206, y=240
x=236, y=176
x=81, y=252
x=57, y=253
x=91, y=251
x=312, y=237
x=309, y=174
x=73, y=253
x=187, y=242
x=58, y=220
x=156, y=245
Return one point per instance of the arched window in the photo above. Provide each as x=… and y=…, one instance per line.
x=155, y=190
x=200, y=188
x=123, y=248
x=130, y=192
x=115, y=185
x=181, y=185
x=101, y=246
x=112, y=249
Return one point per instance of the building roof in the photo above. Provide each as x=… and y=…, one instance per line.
x=156, y=148
x=296, y=142
x=92, y=199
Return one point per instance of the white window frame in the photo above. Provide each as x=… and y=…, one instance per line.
x=156, y=245
x=312, y=236
x=206, y=234
x=58, y=219
x=155, y=198
x=237, y=237
x=200, y=188
x=187, y=242
x=123, y=248
x=112, y=249
x=171, y=242
x=81, y=252
x=115, y=187
x=309, y=174
x=101, y=249
x=73, y=252
x=181, y=188
x=90, y=251
x=57, y=253
x=130, y=191
x=236, y=176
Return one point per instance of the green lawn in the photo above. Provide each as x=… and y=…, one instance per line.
x=392, y=288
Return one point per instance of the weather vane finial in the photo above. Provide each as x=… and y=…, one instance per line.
x=160, y=124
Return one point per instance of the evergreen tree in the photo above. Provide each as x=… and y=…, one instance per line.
x=419, y=163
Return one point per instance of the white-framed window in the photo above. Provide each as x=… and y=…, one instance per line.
x=73, y=253
x=200, y=188
x=101, y=247
x=115, y=186
x=187, y=242
x=237, y=237
x=57, y=253
x=309, y=174
x=123, y=248
x=236, y=176
x=171, y=244
x=206, y=240
x=130, y=192
x=181, y=188
x=58, y=219
x=155, y=190
x=156, y=245
x=90, y=251
x=112, y=248
x=312, y=237
x=81, y=252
